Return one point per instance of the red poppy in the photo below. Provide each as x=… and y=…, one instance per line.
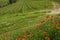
x=22, y=37
x=56, y=23
x=44, y=33
x=47, y=16
x=48, y=38
x=42, y=22
x=57, y=28
x=26, y=32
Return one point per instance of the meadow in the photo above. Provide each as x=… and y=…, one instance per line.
x=19, y=21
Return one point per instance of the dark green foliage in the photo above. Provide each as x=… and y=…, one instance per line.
x=12, y=1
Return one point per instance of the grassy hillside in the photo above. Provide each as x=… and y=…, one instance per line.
x=22, y=21
x=26, y=6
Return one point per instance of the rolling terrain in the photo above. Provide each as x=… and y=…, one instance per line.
x=30, y=20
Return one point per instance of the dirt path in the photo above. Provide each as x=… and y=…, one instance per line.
x=56, y=8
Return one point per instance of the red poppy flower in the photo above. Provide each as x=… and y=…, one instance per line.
x=22, y=37
x=47, y=16
x=26, y=32
x=56, y=23
x=48, y=38
x=42, y=22
x=44, y=33
x=57, y=28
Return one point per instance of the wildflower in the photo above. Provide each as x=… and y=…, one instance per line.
x=22, y=37
x=56, y=23
x=42, y=22
x=48, y=38
x=26, y=32
x=44, y=33
x=47, y=16
x=57, y=28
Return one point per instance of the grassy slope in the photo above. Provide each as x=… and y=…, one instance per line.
x=11, y=17
x=17, y=19
x=16, y=25
x=26, y=6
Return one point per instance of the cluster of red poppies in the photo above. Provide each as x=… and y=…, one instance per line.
x=38, y=27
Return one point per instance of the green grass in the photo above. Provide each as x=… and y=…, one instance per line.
x=58, y=1
x=19, y=24
x=26, y=6
x=17, y=17
x=12, y=22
